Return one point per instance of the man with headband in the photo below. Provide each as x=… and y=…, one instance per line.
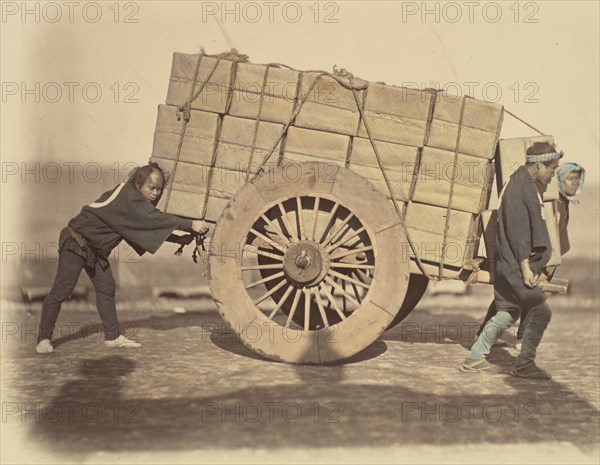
x=523, y=250
x=571, y=177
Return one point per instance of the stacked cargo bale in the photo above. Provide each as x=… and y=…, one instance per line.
x=225, y=118
x=455, y=176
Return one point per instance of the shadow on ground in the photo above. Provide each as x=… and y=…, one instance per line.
x=311, y=413
x=321, y=407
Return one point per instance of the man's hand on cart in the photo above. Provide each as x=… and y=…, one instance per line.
x=200, y=228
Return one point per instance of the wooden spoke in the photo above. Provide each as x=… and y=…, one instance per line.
x=341, y=290
x=352, y=252
x=334, y=304
x=359, y=275
x=300, y=218
x=276, y=229
x=321, y=307
x=268, y=254
x=271, y=292
x=345, y=302
x=306, y=309
x=286, y=222
x=272, y=266
x=315, y=217
x=264, y=280
x=332, y=247
x=351, y=265
x=269, y=241
x=294, y=306
x=338, y=230
x=329, y=218
x=286, y=294
x=348, y=279
x=356, y=293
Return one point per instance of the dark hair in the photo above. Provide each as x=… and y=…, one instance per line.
x=540, y=148
x=139, y=175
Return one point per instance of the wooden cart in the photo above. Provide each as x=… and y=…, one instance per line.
x=334, y=200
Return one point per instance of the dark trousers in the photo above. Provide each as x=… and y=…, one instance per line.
x=70, y=265
x=492, y=311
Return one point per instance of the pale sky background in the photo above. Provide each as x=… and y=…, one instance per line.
x=546, y=71
x=557, y=56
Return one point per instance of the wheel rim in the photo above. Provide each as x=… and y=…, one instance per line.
x=315, y=258
x=290, y=297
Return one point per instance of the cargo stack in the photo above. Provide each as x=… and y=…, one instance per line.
x=241, y=115
x=455, y=176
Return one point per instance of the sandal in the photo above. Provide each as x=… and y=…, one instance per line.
x=480, y=366
x=122, y=342
x=44, y=347
x=530, y=371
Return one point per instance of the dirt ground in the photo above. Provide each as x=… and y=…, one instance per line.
x=194, y=394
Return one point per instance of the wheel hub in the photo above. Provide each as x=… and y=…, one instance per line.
x=303, y=262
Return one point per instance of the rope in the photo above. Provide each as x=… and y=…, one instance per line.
x=257, y=122
x=389, y=184
x=184, y=109
x=296, y=112
x=524, y=122
x=346, y=80
x=452, y=183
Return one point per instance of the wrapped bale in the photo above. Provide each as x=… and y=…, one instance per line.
x=329, y=106
x=213, y=83
x=307, y=145
x=223, y=184
x=512, y=153
x=480, y=131
x=426, y=225
x=234, y=151
x=278, y=98
x=399, y=162
x=198, y=143
x=396, y=114
x=472, y=178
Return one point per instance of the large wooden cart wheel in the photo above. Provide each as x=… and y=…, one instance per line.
x=307, y=265
x=417, y=285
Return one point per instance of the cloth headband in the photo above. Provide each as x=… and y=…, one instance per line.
x=544, y=157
